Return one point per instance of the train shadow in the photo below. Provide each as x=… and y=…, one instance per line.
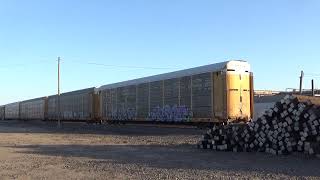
x=98, y=129
x=185, y=157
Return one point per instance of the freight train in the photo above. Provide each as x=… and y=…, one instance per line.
x=216, y=93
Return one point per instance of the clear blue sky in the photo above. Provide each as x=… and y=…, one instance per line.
x=278, y=37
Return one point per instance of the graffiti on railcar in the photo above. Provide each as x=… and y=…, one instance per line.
x=123, y=114
x=171, y=114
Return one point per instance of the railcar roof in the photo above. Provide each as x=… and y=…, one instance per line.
x=176, y=74
x=32, y=100
x=12, y=104
x=76, y=92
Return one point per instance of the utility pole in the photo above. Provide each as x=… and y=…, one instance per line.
x=59, y=113
x=301, y=81
x=312, y=87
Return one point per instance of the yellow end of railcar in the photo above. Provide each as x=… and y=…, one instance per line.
x=239, y=90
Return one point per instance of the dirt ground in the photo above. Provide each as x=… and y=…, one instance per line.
x=81, y=151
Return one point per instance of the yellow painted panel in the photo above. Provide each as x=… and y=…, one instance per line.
x=219, y=98
x=233, y=96
x=239, y=97
x=246, y=96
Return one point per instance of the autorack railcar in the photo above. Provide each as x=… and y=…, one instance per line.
x=34, y=109
x=216, y=93
x=221, y=92
x=80, y=105
x=12, y=111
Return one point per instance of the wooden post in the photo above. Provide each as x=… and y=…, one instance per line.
x=312, y=87
x=301, y=81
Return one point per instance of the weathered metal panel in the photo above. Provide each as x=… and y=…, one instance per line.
x=171, y=92
x=34, y=109
x=202, y=112
x=131, y=98
x=76, y=105
x=143, y=100
x=96, y=107
x=104, y=103
x=185, y=91
x=121, y=100
x=201, y=96
x=52, y=108
x=114, y=107
x=108, y=104
x=123, y=106
x=2, y=112
x=12, y=111
x=156, y=94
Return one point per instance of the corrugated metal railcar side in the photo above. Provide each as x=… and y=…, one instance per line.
x=183, y=99
x=2, y=112
x=74, y=106
x=12, y=111
x=34, y=109
x=214, y=93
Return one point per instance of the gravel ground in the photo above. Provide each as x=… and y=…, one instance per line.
x=80, y=151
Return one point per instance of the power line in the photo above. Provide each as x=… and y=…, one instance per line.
x=87, y=63
x=24, y=64
x=312, y=77
x=312, y=74
x=121, y=66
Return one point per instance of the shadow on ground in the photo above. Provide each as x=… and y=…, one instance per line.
x=182, y=157
x=83, y=128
